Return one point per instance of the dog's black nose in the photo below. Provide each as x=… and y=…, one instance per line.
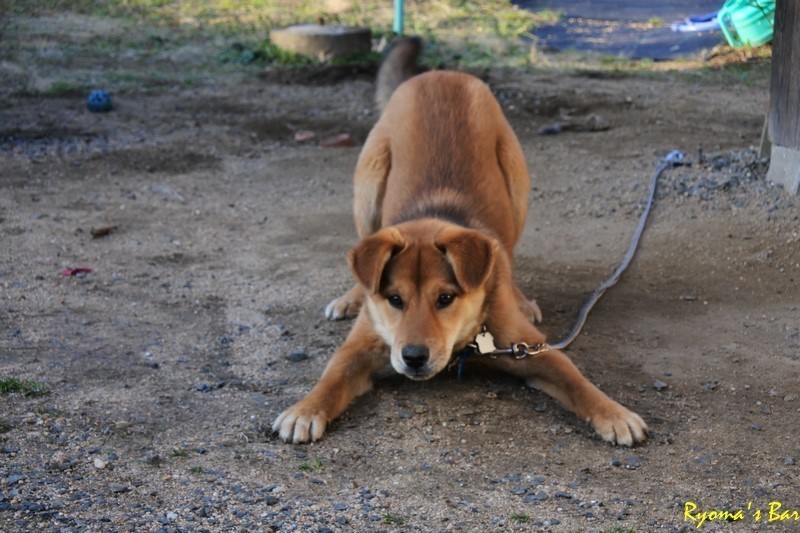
x=415, y=355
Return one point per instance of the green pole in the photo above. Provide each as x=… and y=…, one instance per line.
x=398, y=17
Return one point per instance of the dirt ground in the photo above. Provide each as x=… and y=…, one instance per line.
x=202, y=318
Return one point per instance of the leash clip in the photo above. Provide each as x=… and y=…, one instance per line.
x=484, y=345
x=674, y=158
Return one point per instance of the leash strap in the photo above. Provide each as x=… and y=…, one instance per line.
x=672, y=159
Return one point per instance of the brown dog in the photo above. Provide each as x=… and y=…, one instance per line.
x=441, y=196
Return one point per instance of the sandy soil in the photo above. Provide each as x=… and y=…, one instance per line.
x=202, y=318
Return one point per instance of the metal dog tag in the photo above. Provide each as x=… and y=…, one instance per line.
x=485, y=342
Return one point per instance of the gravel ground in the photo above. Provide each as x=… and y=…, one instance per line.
x=202, y=318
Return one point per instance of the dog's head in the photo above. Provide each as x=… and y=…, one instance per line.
x=426, y=284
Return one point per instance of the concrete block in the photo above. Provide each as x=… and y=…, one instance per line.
x=322, y=41
x=784, y=168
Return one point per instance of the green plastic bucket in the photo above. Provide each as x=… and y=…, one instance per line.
x=747, y=22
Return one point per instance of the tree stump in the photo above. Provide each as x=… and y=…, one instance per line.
x=322, y=42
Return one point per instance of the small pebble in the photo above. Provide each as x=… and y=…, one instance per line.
x=297, y=356
x=118, y=488
x=659, y=385
x=533, y=498
x=789, y=460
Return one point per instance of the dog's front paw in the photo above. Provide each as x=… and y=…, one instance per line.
x=300, y=424
x=618, y=425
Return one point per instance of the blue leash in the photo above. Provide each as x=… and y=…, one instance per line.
x=672, y=159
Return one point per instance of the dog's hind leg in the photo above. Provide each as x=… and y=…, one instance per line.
x=369, y=185
x=518, y=183
x=515, y=171
x=346, y=305
x=529, y=308
x=369, y=182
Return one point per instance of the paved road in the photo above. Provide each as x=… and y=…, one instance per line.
x=615, y=27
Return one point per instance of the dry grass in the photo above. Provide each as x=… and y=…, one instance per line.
x=60, y=47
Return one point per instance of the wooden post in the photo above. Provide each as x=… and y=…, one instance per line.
x=784, y=114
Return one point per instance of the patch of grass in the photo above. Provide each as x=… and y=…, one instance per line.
x=520, y=518
x=49, y=410
x=390, y=518
x=753, y=73
x=5, y=427
x=310, y=466
x=26, y=387
x=488, y=17
x=359, y=58
x=62, y=88
x=264, y=53
x=623, y=63
x=178, y=453
x=196, y=470
x=236, y=28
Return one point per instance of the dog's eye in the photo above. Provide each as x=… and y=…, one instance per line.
x=444, y=300
x=395, y=301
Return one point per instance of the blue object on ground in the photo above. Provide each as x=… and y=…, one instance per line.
x=703, y=18
x=707, y=22
x=628, y=28
x=99, y=101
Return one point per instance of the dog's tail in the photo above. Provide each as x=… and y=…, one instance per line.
x=399, y=65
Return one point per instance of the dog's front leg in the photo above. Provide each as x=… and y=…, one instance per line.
x=348, y=375
x=555, y=374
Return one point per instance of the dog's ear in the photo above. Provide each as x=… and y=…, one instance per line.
x=369, y=257
x=470, y=254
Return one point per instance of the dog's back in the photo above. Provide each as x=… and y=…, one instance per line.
x=445, y=127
